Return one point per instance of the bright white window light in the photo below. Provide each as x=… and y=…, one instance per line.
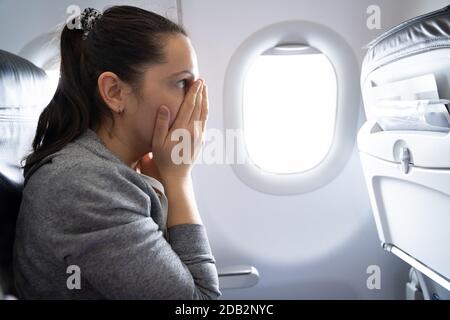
x=289, y=110
x=53, y=77
x=52, y=84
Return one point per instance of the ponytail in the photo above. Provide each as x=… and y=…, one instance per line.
x=124, y=39
x=65, y=117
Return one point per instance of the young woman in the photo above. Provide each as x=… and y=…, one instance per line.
x=105, y=212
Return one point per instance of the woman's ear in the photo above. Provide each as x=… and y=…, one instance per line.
x=112, y=91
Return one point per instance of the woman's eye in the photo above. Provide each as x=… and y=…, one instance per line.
x=182, y=83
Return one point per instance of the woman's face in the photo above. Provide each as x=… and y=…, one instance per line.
x=162, y=84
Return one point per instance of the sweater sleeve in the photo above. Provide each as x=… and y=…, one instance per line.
x=104, y=227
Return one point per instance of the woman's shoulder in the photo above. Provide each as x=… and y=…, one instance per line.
x=75, y=167
x=78, y=186
x=70, y=162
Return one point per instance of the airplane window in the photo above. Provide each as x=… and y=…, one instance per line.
x=295, y=126
x=289, y=109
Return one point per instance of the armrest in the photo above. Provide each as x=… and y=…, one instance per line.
x=235, y=277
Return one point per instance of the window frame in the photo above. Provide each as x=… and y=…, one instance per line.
x=346, y=67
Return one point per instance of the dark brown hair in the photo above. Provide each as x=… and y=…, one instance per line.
x=122, y=41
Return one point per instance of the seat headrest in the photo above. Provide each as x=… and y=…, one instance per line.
x=420, y=34
x=19, y=76
x=24, y=92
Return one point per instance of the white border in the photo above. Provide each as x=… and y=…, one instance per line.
x=346, y=67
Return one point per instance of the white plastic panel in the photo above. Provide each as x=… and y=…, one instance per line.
x=236, y=277
x=411, y=210
x=428, y=149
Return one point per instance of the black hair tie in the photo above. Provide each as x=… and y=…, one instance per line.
x=88, y=18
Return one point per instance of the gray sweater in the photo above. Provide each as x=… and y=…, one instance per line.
x=87, y=216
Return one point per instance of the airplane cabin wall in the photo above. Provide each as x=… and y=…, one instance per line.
x=314, y=245
x=24, y=21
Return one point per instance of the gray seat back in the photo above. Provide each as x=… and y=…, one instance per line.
x=23, y=95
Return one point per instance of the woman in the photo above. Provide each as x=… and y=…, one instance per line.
x=93, y=221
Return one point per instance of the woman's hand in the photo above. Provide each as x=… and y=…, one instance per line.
x=147, y=166
x=191, y=118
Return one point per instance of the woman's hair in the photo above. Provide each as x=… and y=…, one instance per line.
x=123, y=40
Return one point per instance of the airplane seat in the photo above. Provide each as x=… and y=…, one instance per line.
x=22, y=97
x=404, y=145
